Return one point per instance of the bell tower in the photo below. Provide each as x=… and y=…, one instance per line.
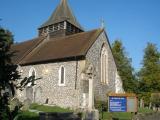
x=61, y=23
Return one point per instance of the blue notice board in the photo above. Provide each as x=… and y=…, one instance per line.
x=117, y=104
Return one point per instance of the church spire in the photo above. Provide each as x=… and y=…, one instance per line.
x=64, y=18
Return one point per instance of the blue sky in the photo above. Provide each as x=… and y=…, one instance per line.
x=135, y=22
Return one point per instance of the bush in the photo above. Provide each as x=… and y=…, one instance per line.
x=146, y=97
x=101, y=105
x=155, y=99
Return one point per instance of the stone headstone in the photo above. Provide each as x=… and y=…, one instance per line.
x=26, y=104
x=93, y=115
x=37, y=95
x=150, y=105
x=141, y=103
x=29, y=93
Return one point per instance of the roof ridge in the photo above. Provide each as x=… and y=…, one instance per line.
x=85, y=32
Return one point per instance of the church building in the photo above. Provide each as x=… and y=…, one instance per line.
x=75, y=67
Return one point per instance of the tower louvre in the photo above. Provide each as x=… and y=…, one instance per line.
x=62, y=22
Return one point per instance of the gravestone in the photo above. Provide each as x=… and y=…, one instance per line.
x=37, y=95
x=141, y=103
x=29, y=93
x=93, y=115
x=26, y=104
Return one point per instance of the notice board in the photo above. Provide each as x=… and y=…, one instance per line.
x=122, y=103
x=117, y=104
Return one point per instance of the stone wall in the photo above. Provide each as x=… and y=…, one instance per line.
x=48, y=86
x=93, y=56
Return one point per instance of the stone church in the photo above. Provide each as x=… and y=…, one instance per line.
x=75, y=67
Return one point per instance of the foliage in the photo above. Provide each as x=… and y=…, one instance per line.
x=149, y=77
x=145, y=96
x=8, y=72
x=149, y=74
x=8, y=75
x=145, y=110
x=45, y=108
x=101, y=105
x=155, y=99
x=124, y=67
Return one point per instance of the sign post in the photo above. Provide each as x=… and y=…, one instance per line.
x=122, y=102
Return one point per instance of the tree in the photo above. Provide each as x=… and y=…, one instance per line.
x=8, y=72
x=149, y=74
x=8, y=75
x=124, y=67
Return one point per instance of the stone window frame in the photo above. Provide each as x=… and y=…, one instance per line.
x=104, y=65
x=30, y=74
x=60, y=74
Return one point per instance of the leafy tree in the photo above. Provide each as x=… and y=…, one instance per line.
x=8, y=72
x=124, y=67
x=149, y=74
x=8, y=75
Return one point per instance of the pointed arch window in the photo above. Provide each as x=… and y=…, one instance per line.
x=32, y=72
x=104, y=66
x=61, y=76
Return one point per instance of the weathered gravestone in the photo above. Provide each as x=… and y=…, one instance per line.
x=37, y=95
x=26, y=104
x=29, y=93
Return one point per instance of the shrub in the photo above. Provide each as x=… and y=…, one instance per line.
x=155, y=99
x=101, y=105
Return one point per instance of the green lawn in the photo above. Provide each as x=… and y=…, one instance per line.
x=145, y=110
x=48, y=108
x=26, y=115
x=119, y=115
x=123, y=115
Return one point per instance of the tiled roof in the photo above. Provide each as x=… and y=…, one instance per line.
x=62, y=13
x=54, y=49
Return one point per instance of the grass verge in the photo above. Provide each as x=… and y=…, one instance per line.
x=26, y=115
x=123, y=115
x=45, y=108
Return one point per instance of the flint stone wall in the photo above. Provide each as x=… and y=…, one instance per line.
x=48, y=86
x=93, y=56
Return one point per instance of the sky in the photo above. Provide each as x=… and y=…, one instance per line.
x=134, y=22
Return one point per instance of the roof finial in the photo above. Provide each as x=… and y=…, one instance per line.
x=102, y=23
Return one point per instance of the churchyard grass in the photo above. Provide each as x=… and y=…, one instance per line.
x=145, y=110
x=123, y=115
x=28, y=115
x=46, y=108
